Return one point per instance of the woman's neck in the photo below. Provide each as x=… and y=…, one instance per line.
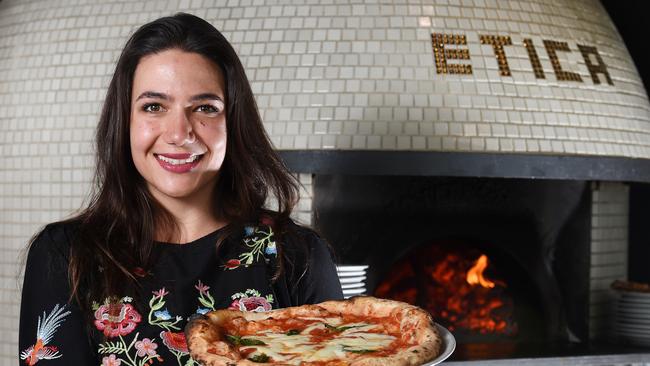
x=194, y=224
x=194, y=216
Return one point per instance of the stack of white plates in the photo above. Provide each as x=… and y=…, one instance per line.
x=633, y=318
x=352, y=279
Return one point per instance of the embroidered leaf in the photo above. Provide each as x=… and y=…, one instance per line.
x=257, y=245
x=238, y=296
x=112, y=347
x=157, y=306
x=252, y=292
x=205, y=302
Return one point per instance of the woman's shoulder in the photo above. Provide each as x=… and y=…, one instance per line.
x=296, y=234
x=302, y=230
x=54, y=238
x=303, y=243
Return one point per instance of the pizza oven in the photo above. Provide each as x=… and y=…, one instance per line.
x=488, y=162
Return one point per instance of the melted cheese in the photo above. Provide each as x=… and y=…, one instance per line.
x=361, y=340
x=328, y=352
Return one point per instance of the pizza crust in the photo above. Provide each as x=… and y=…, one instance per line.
x=416, y=327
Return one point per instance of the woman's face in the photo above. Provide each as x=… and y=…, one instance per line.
x=178, y=124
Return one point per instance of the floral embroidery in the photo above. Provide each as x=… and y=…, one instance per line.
x=271, y=249
x=144, y=355
x=266, y=220
x=251, y=300
x=162, y=314
x=204, y=298
x=45, y=330
x=175, y=341
x=116, y=318
x=232, y=264
x=160, y=293
x=111, y=361
x=140, y=272
x=260, y=241
x=172, y=336
x=158, y=317
x=146, y=347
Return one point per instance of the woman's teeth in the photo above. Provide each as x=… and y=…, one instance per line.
x=178, y=161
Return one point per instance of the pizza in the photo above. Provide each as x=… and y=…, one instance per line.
x=360, y=331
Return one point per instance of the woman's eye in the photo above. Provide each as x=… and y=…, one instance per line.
x=152, y=108
x=207, y=108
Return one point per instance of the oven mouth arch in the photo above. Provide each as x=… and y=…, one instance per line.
x=467, y=164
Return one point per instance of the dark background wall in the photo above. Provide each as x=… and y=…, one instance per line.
x=631, y=19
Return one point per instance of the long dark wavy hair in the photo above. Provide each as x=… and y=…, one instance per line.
x=115, y=233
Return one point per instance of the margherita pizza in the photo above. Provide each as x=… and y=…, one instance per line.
x=361, y=331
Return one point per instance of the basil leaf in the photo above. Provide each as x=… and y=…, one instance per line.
x=251, y=342
x=236, y=340
x=293, y=332
x=260, y=357
x=360, y=351
x=341, y=328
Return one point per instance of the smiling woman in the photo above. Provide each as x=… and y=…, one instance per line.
x=177, y=224
x=178, y=123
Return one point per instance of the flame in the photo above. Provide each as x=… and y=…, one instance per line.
x=437, y=279
x=475, y=274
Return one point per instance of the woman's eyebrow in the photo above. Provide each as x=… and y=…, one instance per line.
x=205, y=96
x=158, y=95
x=154, y=95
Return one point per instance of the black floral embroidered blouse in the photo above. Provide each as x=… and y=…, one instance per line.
x=186, y=279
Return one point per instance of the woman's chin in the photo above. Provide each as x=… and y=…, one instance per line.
x=175, y=192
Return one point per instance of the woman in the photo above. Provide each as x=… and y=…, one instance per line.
x=182, y=159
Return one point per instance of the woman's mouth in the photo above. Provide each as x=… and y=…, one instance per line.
x=178, y=163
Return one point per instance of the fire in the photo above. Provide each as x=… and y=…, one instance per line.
x=450, y=283
x=475, y=274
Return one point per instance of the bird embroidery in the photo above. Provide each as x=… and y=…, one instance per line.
x=44, y=333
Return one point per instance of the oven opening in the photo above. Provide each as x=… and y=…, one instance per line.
x=502, y=263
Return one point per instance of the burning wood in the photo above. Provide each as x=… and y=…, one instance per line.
x=452, y=285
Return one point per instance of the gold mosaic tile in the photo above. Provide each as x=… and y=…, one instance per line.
x=551, y=48
x=442, y=54
x=594, y=70
x=534, y=59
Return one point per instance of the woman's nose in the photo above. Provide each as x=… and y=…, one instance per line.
x=178, y=129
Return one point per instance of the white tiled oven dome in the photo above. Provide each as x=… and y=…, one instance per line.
x=367, y=77
x=364, y=76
